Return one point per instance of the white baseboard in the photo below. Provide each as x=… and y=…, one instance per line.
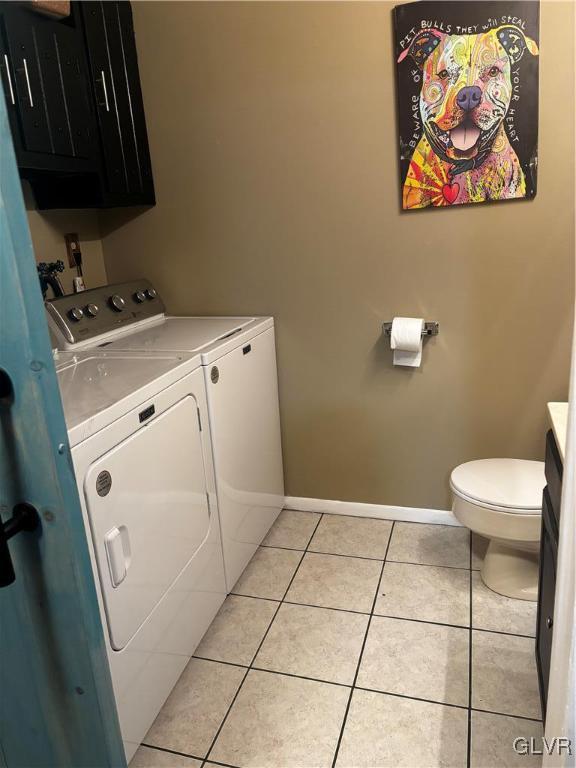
x=380, y=511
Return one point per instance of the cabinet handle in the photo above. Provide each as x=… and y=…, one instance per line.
x=28, y=83
x=12, y=99
x=105, y=91
x=549, y=622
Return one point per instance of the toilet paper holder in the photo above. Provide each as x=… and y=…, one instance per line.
x=431, y=328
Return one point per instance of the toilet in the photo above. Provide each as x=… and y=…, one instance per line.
x=501, y=499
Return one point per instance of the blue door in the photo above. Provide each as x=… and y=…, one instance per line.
x=56, y=702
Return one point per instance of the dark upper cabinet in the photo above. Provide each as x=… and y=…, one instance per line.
x=111, y=49
x=45, y=83
x=75, y=105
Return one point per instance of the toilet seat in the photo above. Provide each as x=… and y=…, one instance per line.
x=495, y=507
x=513, y=486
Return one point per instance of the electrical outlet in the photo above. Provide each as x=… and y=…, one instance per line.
x=72, y=247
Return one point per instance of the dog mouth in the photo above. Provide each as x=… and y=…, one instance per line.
x=464, y=140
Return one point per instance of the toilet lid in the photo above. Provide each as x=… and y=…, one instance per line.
x=512, y=484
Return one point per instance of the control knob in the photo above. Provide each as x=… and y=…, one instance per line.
x=139, y=296
x=92, y=310
x=117, y=302
x=151, y=293
x=75, y=314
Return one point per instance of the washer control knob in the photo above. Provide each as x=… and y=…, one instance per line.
x=75, y=314
x=117, y=302
x=151, y=293
x=92, y=310
x=139, y=296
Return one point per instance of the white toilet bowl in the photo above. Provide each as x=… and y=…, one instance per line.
x=501, y=499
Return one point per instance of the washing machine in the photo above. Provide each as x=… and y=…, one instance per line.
x=137, y=427
x=239, y=367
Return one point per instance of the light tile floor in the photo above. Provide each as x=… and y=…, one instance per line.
x=351, y=642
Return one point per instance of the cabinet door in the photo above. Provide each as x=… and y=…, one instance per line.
x=105, y=97
x=116, y=83
x=75, y=86
x=122, y=93
x=138, y=119
x=50, y=68
x=46, y=84
x=546, y=593
x=554, y=471
x=28, y=85
x=9, y=84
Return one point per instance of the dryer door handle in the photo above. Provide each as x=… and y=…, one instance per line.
x=117, y=545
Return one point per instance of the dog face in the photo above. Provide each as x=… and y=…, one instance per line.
x=466, y=87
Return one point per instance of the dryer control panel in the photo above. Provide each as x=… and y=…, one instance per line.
x=80, y=317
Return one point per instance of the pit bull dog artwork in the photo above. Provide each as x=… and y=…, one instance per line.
x=465, y=133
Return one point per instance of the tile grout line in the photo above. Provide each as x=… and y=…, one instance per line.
x=221, y=661
x=411, y=698
x=366, y=557
x=221, y=726
x=306, y=605
x=330, y=554
x=300, y=677
x=328, y=608
x=346, y=685
x=256, y=597
x=171, y=751
x=383, y=615
x=454, y=626
x=469, y=740
x=347, y=710
x=428, y=565
x=270, y=671
x=505, y=714
x=200, y=760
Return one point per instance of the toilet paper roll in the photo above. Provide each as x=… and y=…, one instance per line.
x=406, y=340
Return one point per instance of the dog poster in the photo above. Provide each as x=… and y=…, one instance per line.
x=467, y=101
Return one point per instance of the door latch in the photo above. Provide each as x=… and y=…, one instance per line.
x=24, y=518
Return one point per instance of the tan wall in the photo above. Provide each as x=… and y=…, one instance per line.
x=274, y=143
x=48, y=228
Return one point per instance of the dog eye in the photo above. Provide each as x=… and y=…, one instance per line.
x=493, y=71
x=443, y=74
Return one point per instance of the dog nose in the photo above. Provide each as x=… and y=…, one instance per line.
x=469, y=98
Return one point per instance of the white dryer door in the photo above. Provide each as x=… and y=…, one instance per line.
x=149, y=514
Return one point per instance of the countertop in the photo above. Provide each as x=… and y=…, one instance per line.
x=558, y=417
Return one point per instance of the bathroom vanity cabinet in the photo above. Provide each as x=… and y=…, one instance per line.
x=548, y=560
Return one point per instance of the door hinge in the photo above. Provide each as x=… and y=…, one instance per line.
x=199, y=419
x=208, y=502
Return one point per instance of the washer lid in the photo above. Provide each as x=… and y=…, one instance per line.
x=508, y=483
x=212, y=337
x=98, y=387
x=181, y=334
